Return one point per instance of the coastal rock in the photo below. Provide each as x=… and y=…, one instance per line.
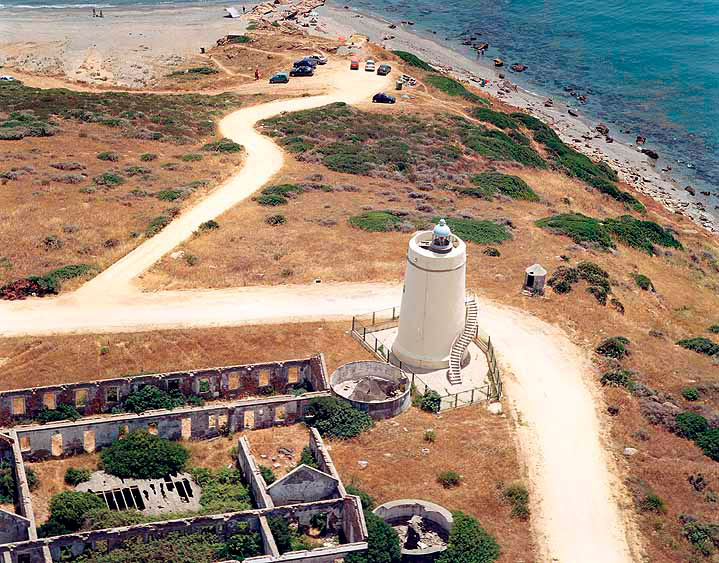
x=650, y=153
x=603, y=129
x=641, y=140
x=573, y=113
x=630, y=451
x=516, y=67
x=690, y=190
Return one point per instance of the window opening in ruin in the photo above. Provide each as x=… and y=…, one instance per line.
x=112, y=394
x=204, y=385
x=24, y=558
x=18, y=405
x=212, y=422
x=233, y=381
x=173, y=384
x=25, y=443
x=293, y=375
x=264, y=377
x=80, y=397
x=48, y=399
x=280, y=413
x=152, y=428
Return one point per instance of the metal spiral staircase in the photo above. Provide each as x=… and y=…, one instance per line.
x=462, y=342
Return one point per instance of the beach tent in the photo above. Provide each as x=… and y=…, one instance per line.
x=232, y=13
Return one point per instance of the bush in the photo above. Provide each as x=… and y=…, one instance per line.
x=148, y=157
x=700, y=345
x=452, y=87
x=489, y=183
x=368, y=502
x=103, y=518
x=224, y=145
x=7, y=482
x=76, y=476
x=431, y=401
x=652, y=503
x=222, y=490
x=268, y=475
x=376, y=221
x=496, y=118
x=481, y=232
x=156, y=225
x=619, y=378
x=141, y=455
x=491, y=251
x=469, y=542
x=709, y=443
x=308, y=458
x=209, y=225
x=690, y=394
x=580, y=228
x=243, y=543
x=414, y=60
x=276, y=220
x=192, y=157
x=108, y=156
x=714, y=329
x=108, y=179
x=701, y=535
x=382, y=543
x=151, y=398
x=61, y=412
x=285, y=538
x=518, y=496
x=337, y=419
x=614, y=347
x=691, y=425
x=641, y=234
x=449, y=479
x=496, y=145
x=430, y=436
x=169, y=195
x=68, y=509
x=643, y=282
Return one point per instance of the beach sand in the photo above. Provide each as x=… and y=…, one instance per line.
x=135, y=47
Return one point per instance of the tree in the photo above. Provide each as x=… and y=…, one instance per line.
x=242, y=544
x=141, y=455
x=68, y=509
x=469, y=542
x=382, y=543
x=337, y=419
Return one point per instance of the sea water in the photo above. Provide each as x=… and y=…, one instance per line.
x=647, y=67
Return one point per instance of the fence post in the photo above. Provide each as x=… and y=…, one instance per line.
x=456, y=398
x=472, y=396
x=393, y=308
x=364, y=333
x=375, y=345
x=353, y=324
x=373, y=317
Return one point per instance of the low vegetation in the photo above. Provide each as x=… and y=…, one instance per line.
x=49, y=284
x=700, y=345
x=616, y=347
x=488, y=184
x=518, y=496
x=453, y=87
x=430, y=401
x=308, y=458
x=449, y=479
x=286, y=538
x=151, y=397
x=643, y=282
x=223, y=145
x=268, y=475
x=376, y=221
x=67, y=512
x=7, y=481
x=598, y=281
x=414, y=60
x=141, y=455
x=619, y=378
x=469, y=542
x=74, y=477
x=223, y=490
x=479, y=231
x=337, y=419
x=643, y=235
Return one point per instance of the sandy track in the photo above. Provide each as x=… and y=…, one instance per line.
x=548, y=379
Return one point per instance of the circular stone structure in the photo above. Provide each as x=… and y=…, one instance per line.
x=381, y=390
x=435, y=523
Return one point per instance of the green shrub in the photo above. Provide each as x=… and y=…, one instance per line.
x=267, y=474
x=286, y=538
x=701, y=535
x=690, y=394
x=278, y=194
x=496, y=145
x=641, y=234
x=489, y=183
x=643, y=282
x=452, y=87
x=479, y=231
x=238, y=39
x=141, y=455
x=223, y=145
x=210, y=225
x=192, y=157
x=276, y=220
x=469, y=542
x=652, y=503
x=337, y=419
x=709, y=443
x=368, y=502
x=103, y=518
x=382, y=543
x=271, y=200
x=61, y=412
x=148, y=157
x=375, y=221
x=150, y=398
x=614, y=347
x=156, y=225
x=449, y=479
x=430, y=436
x=691, y=425
x=243, y=543
x=308, y=458
x=68, y=509
x=222, y=490
x=414, y=60
x=700, y=345
x=580, y=228
x=431, y=401
x=7, y=481
x=518, y=496
x=169, y=195
x=108, y=179
x=714, y=329
x=109, y=156
x=76, y=476
x=491, y=251
x=496, y=118
x=619, y=378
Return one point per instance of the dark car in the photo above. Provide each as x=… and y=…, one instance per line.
x=383, y=98
x=306, y=62
x=280, y=78
x=302, y=71
x=384, y=70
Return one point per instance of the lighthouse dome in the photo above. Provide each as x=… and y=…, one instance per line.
x=441, y=238
x=441, y=230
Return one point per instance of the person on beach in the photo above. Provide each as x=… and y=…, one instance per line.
x=243, y=9
x=94, y=13
x=257, y=73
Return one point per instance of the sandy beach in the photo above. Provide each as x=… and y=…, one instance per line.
x=134, y=47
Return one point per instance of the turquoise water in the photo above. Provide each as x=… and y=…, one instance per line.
x=648, y=67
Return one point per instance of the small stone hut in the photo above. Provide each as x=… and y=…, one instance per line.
x=535, y=278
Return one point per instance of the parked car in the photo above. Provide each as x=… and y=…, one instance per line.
x=384, y=70
x=302, y=70
x=369, y=65
x=306, y=62
x=354, y=65
x=320, y=58
x=280, y=78
x=383, y=98
x=6, y=78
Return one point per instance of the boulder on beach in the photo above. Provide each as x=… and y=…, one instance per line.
x=650, y=153
x=603, y=129
x=641, y=140
x=690, y=190
x=573, y=113
x=498, y=62
x=516, y=67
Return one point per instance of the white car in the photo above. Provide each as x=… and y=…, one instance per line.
x=321, y=59
x=6, y=78
x=369, y=66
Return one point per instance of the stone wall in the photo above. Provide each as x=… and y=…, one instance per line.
x=221, y=383
x=252, y=475
x=13, y=527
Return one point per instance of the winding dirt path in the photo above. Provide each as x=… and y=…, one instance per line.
x=549, y=380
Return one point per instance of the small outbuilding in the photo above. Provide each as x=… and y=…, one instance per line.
x=535, y=278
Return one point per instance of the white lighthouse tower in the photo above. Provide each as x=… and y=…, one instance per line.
x=433, y=311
